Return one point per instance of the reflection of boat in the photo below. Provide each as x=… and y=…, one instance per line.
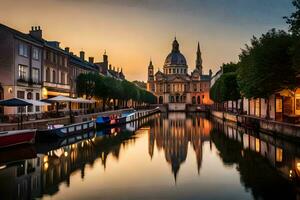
x=45, y=147
x=65, y=131
x=125, y=117
x=12, y=138
x=18, y=153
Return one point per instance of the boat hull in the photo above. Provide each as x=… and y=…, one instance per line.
x=20, y=137
x=66, y=131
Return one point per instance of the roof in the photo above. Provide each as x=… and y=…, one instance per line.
x=205, y=77
x=28, y=38
x=23, y=36
x=82, y=63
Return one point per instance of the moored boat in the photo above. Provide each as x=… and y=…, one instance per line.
x=65, y=131
x=102, y=121
x=12, y=138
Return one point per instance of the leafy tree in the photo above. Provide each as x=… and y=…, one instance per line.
x=294, y=20
x=229, y=87
x=225, y=88
x=107, y=88
x=266, y=66
x=229, y=67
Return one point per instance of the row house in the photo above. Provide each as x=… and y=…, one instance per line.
x=20, y=67
x=34, y=68
x=77, y=66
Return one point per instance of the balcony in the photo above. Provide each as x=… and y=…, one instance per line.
x=24, y=81
x=57, y=85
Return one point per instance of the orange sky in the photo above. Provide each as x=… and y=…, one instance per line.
x=133, y=31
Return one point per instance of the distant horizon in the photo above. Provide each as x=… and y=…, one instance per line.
x=134, y=31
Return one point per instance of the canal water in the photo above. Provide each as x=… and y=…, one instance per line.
x=165, y=156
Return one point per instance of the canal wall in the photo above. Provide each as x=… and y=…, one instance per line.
x=62, y=120
x=282, y=129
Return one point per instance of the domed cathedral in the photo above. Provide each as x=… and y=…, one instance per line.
x=175, y=87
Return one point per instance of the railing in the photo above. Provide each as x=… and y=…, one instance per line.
x=57, y=85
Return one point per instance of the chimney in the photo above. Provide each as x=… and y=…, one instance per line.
x=67, y=49
x=36, y=32
x=91, y=60
x=81, y=55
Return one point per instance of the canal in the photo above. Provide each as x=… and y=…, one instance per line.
x=164, y=156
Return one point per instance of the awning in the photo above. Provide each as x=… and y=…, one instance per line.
x=37, y=103
x=61, y=99
x=15, y=102
x=82, y=100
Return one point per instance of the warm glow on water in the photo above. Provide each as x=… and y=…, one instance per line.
x=171, y=157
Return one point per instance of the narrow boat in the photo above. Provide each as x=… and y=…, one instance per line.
x=12, y=138
x=102, y=121
x=65, y=131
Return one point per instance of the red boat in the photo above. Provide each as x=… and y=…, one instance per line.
x=12, y=138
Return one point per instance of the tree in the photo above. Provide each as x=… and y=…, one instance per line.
x=266, y=66
x=225, y=88
x=294, y=20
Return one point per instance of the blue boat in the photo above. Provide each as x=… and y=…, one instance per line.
x=102, y=121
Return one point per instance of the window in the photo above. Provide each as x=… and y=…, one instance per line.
x=174, y=71
x=37, y=97
x=62, y=78
x=23, y=50
x=65, y=62
x=48, y=74
x=35, y=54
x=21, y=94
x=22, y=72
x=35, y=75
x=53, y=76
x=60, y=60
x=195, y=87
x=51, y=57
x=170, y=71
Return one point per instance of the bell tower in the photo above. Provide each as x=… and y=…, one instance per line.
x=199, y=59
x=150, y=71
x=150, y=82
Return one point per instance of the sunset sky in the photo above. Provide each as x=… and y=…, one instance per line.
x=132, y=31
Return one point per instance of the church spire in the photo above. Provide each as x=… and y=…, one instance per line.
x=199, y=59
x=175, y=46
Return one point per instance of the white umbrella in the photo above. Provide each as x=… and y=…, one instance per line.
x=36, y=102
x=61, y=99
x=82, y=100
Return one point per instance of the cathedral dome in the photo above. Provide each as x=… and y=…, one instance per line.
x=175, y=58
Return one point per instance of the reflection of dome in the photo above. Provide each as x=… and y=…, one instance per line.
x=175, y=57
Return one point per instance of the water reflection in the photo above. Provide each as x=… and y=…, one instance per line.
x=174, y=132
x=267, y=165
x=204, y=155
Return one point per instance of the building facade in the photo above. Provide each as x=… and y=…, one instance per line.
x=20, y=68
x=174, y=86
x=33, y=68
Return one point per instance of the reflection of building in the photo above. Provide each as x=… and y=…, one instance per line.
x=280, y=154
x=173, y=134
x=174, y=86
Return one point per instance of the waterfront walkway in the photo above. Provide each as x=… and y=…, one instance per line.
x=42, y=123
x=282, y=129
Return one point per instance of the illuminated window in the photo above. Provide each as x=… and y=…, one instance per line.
x=278, y=154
